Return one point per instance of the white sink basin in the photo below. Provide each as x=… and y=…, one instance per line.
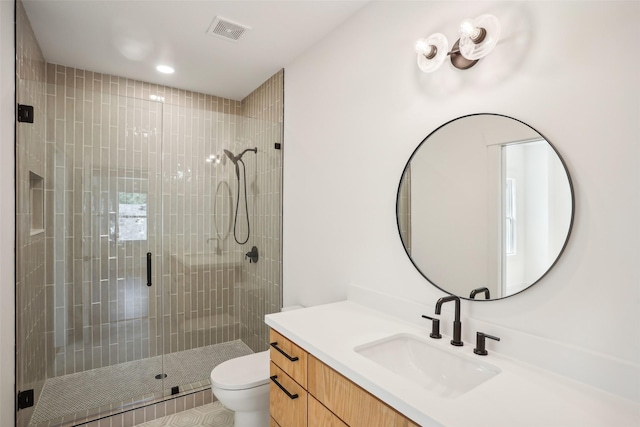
x=443, y=373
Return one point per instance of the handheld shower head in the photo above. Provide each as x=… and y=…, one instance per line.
x=230, y=155
x=234, y=159
x=238, y=159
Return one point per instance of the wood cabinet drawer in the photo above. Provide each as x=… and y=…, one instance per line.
x=352, y=404
x=319, y=416
x=288, y=410
x=282, y=351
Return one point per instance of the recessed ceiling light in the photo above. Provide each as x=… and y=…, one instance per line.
x=165, y=69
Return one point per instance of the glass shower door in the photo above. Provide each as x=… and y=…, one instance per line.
x=97, y=159
x=30, y=248
x=121, y=243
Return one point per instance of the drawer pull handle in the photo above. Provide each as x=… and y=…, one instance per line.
x=275, y=345
x=291, y=396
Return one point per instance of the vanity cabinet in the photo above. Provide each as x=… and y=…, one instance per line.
x=287, y=389
x=320, y=416
x=282, y=351
x=288, y=405
x=352, y=404
x=325, y=398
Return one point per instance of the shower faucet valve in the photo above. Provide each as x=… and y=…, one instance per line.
x=252, y=255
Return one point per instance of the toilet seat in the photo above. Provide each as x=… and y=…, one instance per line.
x=242, y=372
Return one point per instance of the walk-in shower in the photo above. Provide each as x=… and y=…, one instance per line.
x=105, y=176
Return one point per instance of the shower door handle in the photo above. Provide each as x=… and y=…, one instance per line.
x=149, y=269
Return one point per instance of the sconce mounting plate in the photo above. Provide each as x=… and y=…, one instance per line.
x=459, y=61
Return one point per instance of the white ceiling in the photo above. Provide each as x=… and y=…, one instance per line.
x=129, y=38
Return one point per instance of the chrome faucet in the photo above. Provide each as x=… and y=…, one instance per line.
x=457, y=325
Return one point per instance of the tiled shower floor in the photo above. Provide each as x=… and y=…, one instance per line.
x=128, y=382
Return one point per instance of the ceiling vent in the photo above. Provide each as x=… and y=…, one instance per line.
x=226, y=29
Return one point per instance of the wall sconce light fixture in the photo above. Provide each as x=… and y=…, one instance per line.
x=478, y=37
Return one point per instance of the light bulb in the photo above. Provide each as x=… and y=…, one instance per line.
x=467, y=29
x=422, y=46
x=432, y=52
x=479, y=36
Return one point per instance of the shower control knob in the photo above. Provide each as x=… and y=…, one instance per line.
x=252, y=255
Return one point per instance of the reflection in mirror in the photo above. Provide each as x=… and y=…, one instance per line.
x=484, y=207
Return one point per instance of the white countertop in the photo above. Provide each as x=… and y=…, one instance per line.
x=520, y=396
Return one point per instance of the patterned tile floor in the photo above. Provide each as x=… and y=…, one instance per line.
x=210, y=415
x=128, y=381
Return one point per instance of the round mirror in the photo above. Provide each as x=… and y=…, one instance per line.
x=485, y=207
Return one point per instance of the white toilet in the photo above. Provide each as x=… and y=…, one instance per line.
x=242, y=385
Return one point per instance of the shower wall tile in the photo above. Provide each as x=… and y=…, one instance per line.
x=197, y=312
x=104, y=313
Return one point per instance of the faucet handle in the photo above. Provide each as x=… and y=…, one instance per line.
x=435, y=327
x=485, y=290
x=480, y=343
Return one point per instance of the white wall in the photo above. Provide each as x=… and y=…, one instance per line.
x=7, y=213
x=357, y=106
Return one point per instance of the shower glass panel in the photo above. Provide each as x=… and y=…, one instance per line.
x=100, y=342
x=260, y=292
x=30, y=249
x=203, y=266
x=215, y=299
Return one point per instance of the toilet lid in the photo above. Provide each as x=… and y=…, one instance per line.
x=242, y=372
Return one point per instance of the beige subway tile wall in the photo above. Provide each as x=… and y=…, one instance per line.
x=129, y=147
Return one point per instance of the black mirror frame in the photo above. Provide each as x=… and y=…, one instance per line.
x=569, y=231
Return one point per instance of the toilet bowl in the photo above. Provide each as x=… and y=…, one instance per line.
x=242, y=385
